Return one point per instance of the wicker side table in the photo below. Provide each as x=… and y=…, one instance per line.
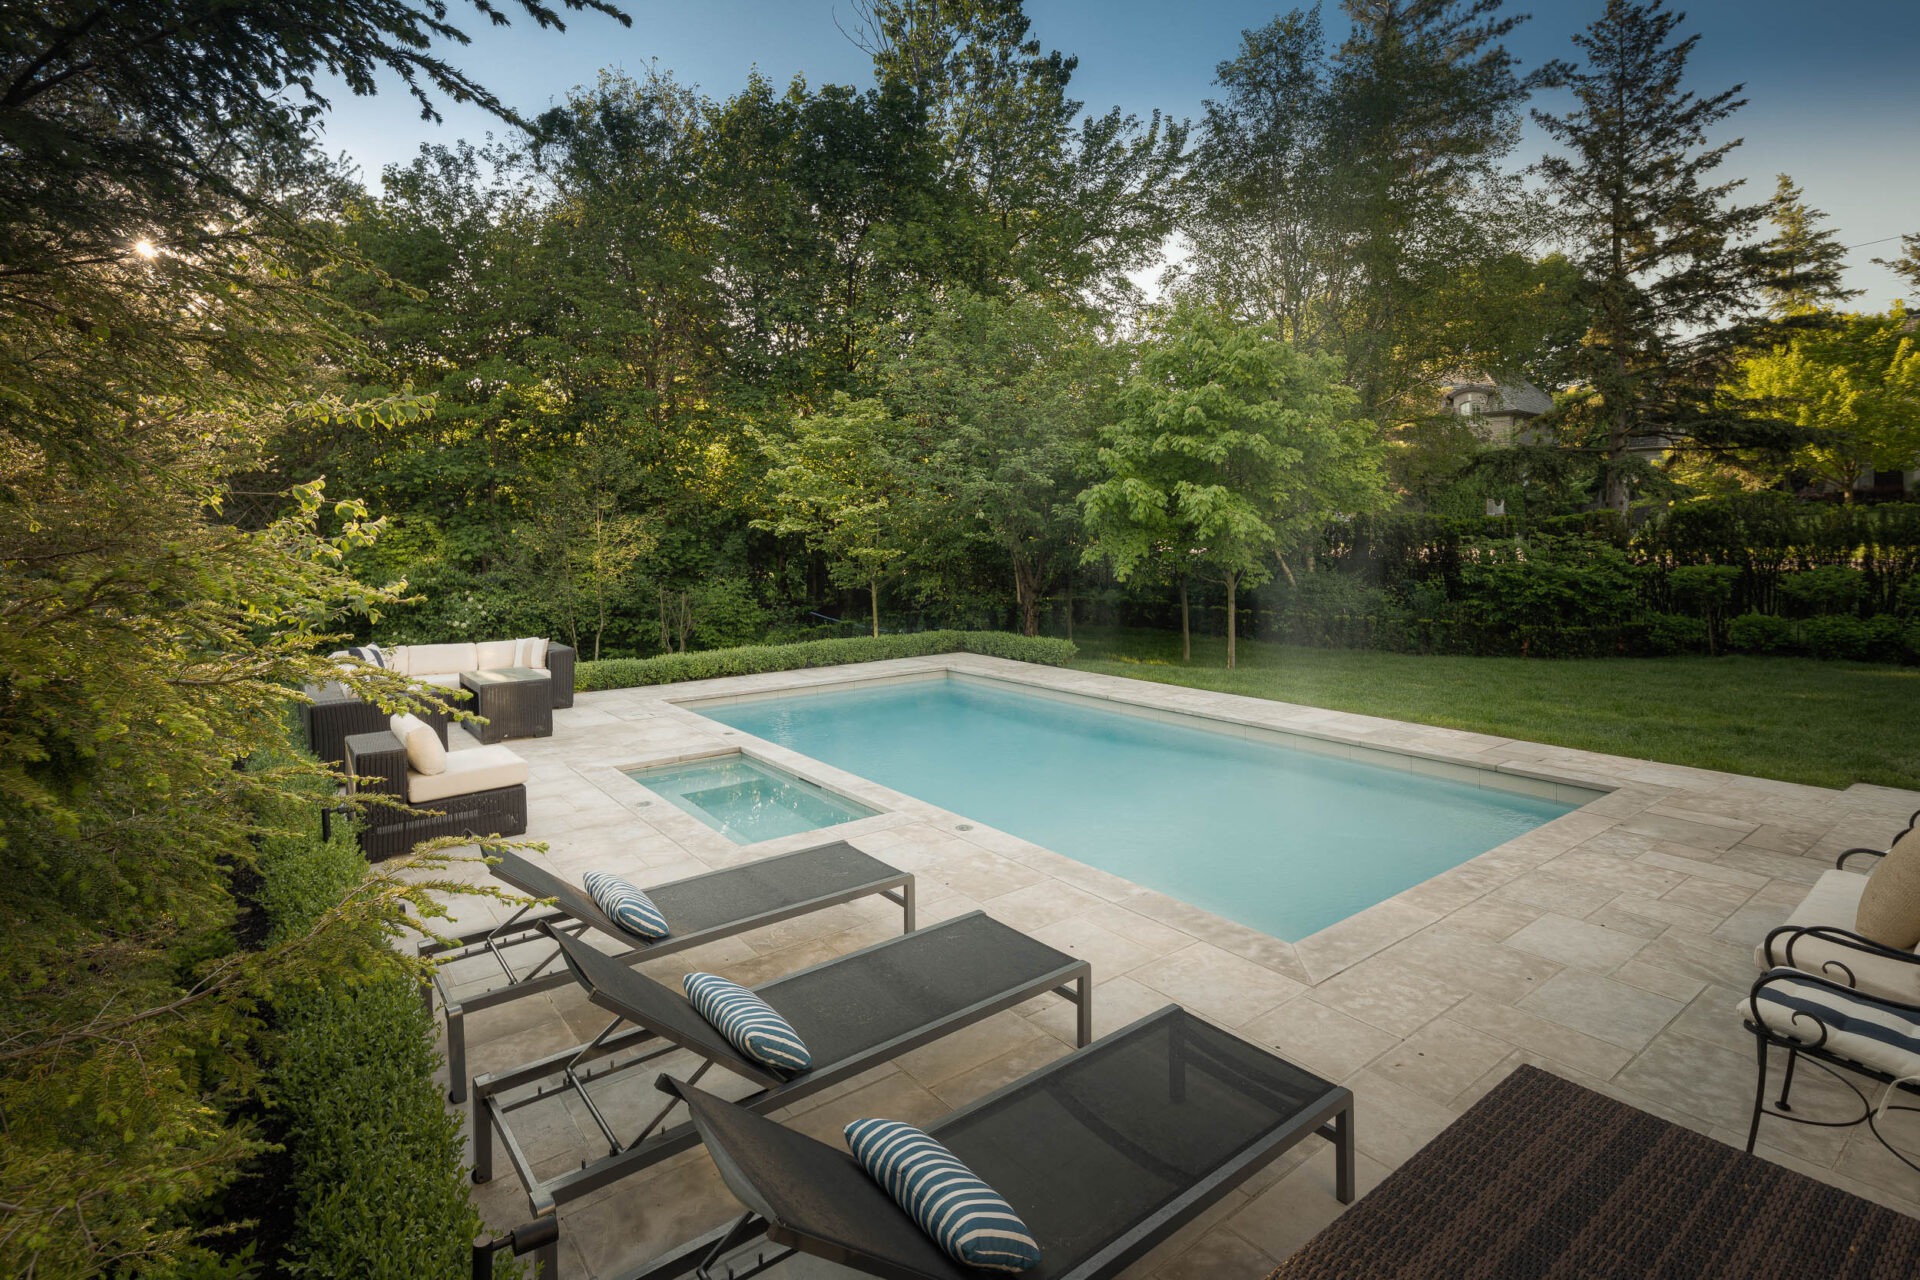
x=517, y=702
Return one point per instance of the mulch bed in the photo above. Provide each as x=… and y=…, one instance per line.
x=1543, y=1178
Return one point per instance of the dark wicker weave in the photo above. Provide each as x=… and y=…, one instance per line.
x=334, y=715
x=1103, y=1154
x=699, y=910
x=379, y=764
x=1545, y=1179
x=513, y=702
x=854, y=1013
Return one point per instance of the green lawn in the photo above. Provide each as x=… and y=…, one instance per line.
x=1826, y=723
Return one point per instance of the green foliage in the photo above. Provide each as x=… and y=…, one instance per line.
x=1829, y=589
x=1760, y=633
x=1547, y=596
x=626, y=673
x=1670, y=633
x=1232, y=449
x=379, y=1183
x=1707, y=592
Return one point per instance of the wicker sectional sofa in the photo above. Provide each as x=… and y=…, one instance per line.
x=482, y=791
x=332, y=715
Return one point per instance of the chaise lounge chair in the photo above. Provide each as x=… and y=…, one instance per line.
x=1103, y=1154
x=854, y=1013
x=700, y=909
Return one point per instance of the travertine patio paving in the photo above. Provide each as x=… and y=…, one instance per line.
x=1609, y=946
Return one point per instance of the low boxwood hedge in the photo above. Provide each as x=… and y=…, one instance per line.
x=669, y=668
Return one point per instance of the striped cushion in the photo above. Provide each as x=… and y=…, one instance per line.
x=1859, y=1028
x=748, y=1022
x=626, y=906
x=962, y=1214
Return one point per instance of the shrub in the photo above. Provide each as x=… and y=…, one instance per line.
x=670, y=668
x=1336, y=610
x=1547, y=596
x=1827, y=590
x=1669, y=633
x=1837, y=637
x=1759, y=633
x=377, y=1181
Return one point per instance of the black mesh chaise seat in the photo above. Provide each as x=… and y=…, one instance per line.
x=854, y=1013
x=699, y=909
x=1104, y=1154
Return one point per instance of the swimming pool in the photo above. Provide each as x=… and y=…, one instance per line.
x=1282, y=839
x=746, y=800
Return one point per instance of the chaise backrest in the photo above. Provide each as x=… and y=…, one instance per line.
x=813, y=1197
x=645, y=1003
x=537, y=882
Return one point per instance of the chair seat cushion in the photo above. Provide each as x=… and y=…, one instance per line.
x=478, y=769
x=959, y=1212
x=625, y=905
x=1858, y=1027
x=1835, y=900
x=439, y=680
x=749, y=1023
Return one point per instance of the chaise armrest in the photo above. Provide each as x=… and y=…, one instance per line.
x=560, y=660
x=1841, y=861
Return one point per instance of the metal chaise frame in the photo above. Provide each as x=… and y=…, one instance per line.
x=568, y=1071
x=575, y=913
x=1331, y=1119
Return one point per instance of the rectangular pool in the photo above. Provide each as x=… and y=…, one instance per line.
x=1282, y=839
x=747, y=801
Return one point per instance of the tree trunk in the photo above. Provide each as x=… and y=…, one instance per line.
x=1069, y=605
x=873, y=596
x=1186, y=629
x=1026, y=592
x=1233, y=582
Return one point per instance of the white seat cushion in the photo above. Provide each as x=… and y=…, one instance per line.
x=1835, y=900
x=492, y=655
x=1858, y=1029
x=438, y=659
x=448, y=680
x=480, y=769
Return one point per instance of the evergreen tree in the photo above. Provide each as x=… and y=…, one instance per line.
x=1808, y=259
x=1907, y=265
x=1669, y=276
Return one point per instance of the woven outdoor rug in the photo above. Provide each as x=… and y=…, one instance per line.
x=1542, y=1178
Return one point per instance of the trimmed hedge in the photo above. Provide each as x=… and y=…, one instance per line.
x=670, y=668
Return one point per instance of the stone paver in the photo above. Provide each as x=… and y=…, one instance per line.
x=1609, y=946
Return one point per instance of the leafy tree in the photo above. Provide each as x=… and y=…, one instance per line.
x=1907, y=264
x=1354, y=196
x=1001, y=392
x=837, y=483
x=1232, y=449
x=1852, y=387
x=157, y=630
x=1668, y=275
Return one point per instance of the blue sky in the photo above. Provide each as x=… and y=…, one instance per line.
x=1832, y=85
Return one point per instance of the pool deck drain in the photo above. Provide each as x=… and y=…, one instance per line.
x=1608, y=946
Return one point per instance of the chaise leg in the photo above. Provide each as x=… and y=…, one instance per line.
x=1793, y=1058
x=1759, y=1094
x=482, y=1130
x=457, y=1054
x=908, y=907
x=1343, y=1155
x=1083, y=1009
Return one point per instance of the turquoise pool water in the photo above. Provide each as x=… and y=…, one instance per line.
x=1281, y=839
x=747, y=801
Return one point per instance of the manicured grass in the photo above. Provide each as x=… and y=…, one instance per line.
x=1826, y=723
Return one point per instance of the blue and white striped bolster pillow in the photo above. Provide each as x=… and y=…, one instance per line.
x=748, y=1022
x=626, y=906
x=1858, y=1027
x=960, y=1213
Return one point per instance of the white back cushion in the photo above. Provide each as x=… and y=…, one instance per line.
x=424, y=752
x=397, y=658
x=438, y=659
x=491, y=655
x=532, y=652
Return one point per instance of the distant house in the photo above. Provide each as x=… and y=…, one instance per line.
x=1499, y=412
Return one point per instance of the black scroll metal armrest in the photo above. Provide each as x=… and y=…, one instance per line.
x=1765, y=980
x=1841, y=861
x=1835, y=935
